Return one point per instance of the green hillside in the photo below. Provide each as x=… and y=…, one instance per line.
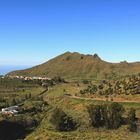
x=77, y=109
x=62, y=111
x=79, y=66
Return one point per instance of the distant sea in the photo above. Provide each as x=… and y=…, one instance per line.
x=4, y=69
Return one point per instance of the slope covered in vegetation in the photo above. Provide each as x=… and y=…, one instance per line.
x=114, y=119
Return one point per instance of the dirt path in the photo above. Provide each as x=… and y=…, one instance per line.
x=120, y=100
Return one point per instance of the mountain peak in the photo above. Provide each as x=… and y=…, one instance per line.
x=73, y=65
x=96, y=56
x=77, y=53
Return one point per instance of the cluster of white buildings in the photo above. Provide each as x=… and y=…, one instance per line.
x=13, y=110
x=2, y=77
x=26, y=78
x=37, y=78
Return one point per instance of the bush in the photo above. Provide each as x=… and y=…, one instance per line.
x=132, y=120
x=86, y=82
x=62, y=122
x=113, y=115
x=109, y=115
x=58, y=79
x=95, y=113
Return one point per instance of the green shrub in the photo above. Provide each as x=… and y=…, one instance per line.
x=109, y=115
x=62, y=122
x=132, y=120
x=113, y=115
x=95, y=113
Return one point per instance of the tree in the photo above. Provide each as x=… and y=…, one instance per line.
x=108, y=115
x=92, y=89
x=113, y=115
x=62, y=122
x=86, y=82
x=132, y=120
x=58, y=79
x=95, y=115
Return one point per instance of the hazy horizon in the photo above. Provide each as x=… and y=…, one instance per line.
x=4, y=69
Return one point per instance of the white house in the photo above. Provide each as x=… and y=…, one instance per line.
x=13, y=110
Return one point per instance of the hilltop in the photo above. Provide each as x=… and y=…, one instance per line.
x=79, y=66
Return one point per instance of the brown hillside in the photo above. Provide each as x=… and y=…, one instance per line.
x=79, y=66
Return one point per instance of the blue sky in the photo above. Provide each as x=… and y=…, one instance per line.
x=33, y=31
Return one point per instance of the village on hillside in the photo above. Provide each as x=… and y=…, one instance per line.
x=26, y=77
